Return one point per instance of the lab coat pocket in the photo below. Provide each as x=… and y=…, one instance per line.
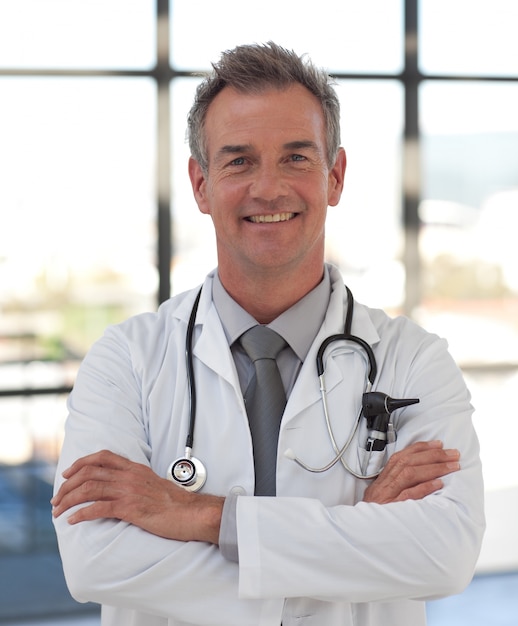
x=373, y=462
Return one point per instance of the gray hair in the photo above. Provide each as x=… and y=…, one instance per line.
x=252, y=69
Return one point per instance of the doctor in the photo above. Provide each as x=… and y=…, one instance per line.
x=330, y=549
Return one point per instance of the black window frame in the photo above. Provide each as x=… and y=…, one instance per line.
x=163, y=74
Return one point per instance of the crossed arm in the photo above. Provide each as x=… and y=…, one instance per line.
x=111, y=486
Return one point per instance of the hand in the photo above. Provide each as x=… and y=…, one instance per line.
x=115, y=487
x=413, y=473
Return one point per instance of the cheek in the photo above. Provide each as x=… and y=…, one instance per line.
x=224, y=189
x=228, y=205
x=315, y=190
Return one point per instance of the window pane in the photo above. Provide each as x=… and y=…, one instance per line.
x=470, y=215
x=77, y=34
x=472, y=37
x=470, y=263
x=341, y=36
x=364, y=232
x=77, y=230
x=194, y=242
x=32, y=427
x=491, y=391
x=369, y=257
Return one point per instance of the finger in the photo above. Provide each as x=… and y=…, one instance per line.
x=419, y=456
x=409, y=481
x=76, y=479
x=93, y=482
x=431, y=456
x=429, y=451
x=415, y=475
x=420, y=491
x=402, y=473
x=383, y=494
x=88, y=491
x=103, y=458
x=96, y=510
x=83, y=480
x=419, y=453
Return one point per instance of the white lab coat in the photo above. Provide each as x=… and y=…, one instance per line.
x=314, y=555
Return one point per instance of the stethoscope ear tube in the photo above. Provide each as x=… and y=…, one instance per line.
x=373, y=369
x=190, y=371
x=348, y=336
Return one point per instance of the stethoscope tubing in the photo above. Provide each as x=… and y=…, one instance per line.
x=191, y=382
x=196, y=481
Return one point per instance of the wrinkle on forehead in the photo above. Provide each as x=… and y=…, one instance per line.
x=293, y=117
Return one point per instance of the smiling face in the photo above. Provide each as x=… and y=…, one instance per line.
x=268, y=183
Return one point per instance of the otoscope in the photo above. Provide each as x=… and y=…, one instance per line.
x=377, y=408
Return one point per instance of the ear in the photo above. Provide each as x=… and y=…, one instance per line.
x=336, y=178
x=199, y=185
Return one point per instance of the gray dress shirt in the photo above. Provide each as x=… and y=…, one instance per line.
x=298, y=326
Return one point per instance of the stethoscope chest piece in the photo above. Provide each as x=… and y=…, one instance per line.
x=187, y=472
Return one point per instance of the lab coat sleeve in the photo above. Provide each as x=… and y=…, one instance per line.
x=365, y=552
x=111, y=562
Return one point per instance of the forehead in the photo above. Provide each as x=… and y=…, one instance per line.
x=284, y=115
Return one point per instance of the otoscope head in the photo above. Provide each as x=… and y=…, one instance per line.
x=377, y=403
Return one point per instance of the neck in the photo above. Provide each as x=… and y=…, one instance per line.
x=269, y=293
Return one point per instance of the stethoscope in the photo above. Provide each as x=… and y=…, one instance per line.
x=377, y=407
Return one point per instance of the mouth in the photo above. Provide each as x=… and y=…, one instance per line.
x=268, y=219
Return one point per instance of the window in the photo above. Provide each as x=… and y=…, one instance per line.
x=468, y=96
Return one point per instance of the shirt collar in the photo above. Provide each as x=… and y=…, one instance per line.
x=298, y=325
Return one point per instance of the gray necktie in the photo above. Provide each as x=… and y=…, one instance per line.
x=265, y=401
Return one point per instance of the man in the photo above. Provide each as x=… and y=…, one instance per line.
x=330, y=548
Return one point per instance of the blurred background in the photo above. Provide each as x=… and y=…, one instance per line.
x=97, y=219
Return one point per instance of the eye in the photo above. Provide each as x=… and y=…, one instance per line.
x=297, y=157
x=238, y=161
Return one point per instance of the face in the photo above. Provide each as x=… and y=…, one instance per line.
x=268, y=183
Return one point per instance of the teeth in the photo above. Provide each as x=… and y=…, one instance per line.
x=278, y=217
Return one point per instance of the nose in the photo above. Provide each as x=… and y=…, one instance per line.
x=268, y=183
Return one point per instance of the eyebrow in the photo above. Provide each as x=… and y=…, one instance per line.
x=299, y=145
x=231, y=149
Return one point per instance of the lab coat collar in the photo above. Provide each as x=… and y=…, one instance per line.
x=210, y=343
x=211, y=347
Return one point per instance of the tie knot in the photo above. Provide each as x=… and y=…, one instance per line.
x=260, y=342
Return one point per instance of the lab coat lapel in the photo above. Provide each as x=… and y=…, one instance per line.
x=209, y=344
x=211, y=347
